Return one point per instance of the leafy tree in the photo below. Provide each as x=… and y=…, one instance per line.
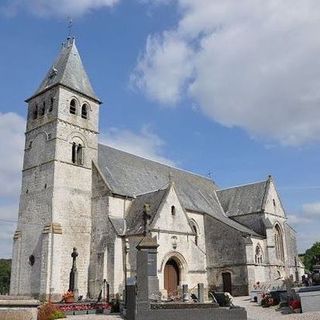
x=5, y=271
x=311, y=256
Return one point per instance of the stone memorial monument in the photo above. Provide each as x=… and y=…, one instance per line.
x=73, y=278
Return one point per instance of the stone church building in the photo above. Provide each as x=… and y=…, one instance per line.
x=79, y=193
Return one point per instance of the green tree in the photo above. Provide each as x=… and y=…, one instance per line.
x=310, y=256
x=5, y=271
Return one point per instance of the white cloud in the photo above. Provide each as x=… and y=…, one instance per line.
x=12, y=128
x=166, y=57
x=312, y=209
x=62, y=8
x=296, y=219
x=144, y=143
x=249, y=64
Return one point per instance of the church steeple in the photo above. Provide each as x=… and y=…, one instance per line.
x=68, y=71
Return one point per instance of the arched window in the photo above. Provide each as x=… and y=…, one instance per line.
x=278, y=242
x=73, y=106
x=74, y=155
x=43, y=109
x=77, y=154
x=84, y=111
x=258, y=258
x=51, y=105
x=195, y=230
x=35, y=112
x=173, y=210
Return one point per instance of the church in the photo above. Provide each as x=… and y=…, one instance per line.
x=78, y=193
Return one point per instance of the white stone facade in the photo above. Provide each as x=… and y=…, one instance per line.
x=66, y=203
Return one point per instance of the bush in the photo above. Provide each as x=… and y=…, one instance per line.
x=49, y=311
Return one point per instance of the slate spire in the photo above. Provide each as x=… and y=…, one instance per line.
x=68, y=71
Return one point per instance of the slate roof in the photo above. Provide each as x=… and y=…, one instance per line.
x=130, y=175
x=243, y=199
x=135, y=223
x=119, y=225
x=68, y=70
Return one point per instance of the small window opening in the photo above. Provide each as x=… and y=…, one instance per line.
x=74, y=147
x=35, y=112
x=84, y=111
x=77, y=154
x=45, y=186
x=173, y=210
x=51, y=105
x=274, y=202
x=43, y=109
x=196, y=236
x=73, y=106
x=31, y=260
x=30, y=144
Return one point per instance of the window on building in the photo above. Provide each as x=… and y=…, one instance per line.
x=195, y=231
x=74, y=148
x=51, y=104
x=35, y=112
x=43, y=109
x=258, y=258
x=31, y=260
x=274, y=202
x=84, y=111
x=278, y=243
x=173, y=210
x=73, y=106
x=77, y=154
x=196, y=236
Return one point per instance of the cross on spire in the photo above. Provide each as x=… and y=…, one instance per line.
x=70, y=25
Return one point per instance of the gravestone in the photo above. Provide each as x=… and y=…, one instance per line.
x=73, y=278
x=201, y=292
x=185, y=293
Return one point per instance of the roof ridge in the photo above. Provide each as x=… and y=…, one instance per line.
x=153, y=191
x=243, y=185
x=163, y=164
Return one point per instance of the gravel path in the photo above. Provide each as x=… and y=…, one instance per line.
x=256, y=312
x=95, y=317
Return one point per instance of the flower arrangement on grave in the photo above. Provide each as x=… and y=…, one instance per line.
x=68, y=296
x=267, y=300
x=295, y=305
x=48, y=311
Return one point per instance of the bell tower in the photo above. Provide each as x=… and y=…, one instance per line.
x=55, y=202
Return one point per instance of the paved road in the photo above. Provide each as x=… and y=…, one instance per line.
x=256, y=312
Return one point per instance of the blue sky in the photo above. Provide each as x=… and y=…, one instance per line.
x=210, y=86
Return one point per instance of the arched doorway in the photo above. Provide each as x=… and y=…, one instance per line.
x=171, y=277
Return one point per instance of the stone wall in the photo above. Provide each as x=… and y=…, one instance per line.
x=226, y=252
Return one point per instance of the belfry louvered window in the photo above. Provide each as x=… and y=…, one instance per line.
x=73, y=106
x=84, y=111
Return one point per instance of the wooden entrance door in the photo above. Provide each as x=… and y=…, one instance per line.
x=227, y=285
x=171, y=277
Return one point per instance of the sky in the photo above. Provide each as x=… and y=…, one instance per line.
x=225, y=88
